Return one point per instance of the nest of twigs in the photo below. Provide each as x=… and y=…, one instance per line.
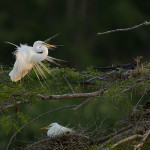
x=66, y=142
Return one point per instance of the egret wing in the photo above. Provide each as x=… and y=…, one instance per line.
x=22, y=65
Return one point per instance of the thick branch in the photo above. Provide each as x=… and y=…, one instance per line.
x=127, y=139
x=76, y=95
x=145, y=136
x=13, y=105
x=125, y=29
x=55, y=97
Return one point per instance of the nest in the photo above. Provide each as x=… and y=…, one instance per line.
x=66, y=142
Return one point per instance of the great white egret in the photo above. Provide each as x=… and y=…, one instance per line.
x=28, y=57
x=56, y=130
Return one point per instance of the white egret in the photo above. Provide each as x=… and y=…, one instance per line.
x=56, y=130
x=28, y=57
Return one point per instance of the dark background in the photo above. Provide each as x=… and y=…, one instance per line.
x=78, y=22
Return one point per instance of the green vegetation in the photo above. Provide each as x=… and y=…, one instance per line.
x=123, y=90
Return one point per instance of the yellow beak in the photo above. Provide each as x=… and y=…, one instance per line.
x=44, y=128
x=49, y=45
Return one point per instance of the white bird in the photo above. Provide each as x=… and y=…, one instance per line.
x=28, y=57
x=56, y=130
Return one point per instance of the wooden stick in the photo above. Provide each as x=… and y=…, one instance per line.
x=127, y=139
x=145, y=23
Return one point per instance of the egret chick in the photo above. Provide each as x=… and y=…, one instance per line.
x=56, y=130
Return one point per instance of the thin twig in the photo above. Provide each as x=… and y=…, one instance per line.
x=127, y=139
x=122, y=131
x=68, y=84
x=51, y=111
x=44, y=140
x=83, y=103
x=115, y=136
x=75, y=95
x=125, y=29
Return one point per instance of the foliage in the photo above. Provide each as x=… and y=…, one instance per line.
x=119, y=86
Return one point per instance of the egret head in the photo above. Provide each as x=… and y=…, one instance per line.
x=51, y=125
x=38, y=44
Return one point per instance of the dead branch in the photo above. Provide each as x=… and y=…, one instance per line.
x=55, y=97
x=145, y=23
x=83, y=103
x=13, y=105
x=120, y=132
x=44, y=140
x=76, y=95
x=115, y=137
x=127, y=139
x=51, y=111
x=145, y=136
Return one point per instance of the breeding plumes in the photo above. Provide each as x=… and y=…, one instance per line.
x=56, y=130
x=28, y=57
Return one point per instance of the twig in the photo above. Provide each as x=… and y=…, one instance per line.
x=51, y=111
x=145, y=136
x=122, y=131
x=44, y=140
x=75, y=95
x=83, y=103
x=127, y=139
x=125, y=29
x=68, y=84
x=116, y=136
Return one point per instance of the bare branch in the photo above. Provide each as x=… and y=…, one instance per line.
x=83, y=103
x=125, y=29
x=127, y=139
x=140, y=144
x=13, y=105
x=114, y=135
x=55, y=97
x=51, y=111
x=75, y=95
x=119, y=134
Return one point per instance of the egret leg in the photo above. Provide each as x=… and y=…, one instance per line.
x=28, y=81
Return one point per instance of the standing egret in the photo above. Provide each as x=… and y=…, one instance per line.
x=56, y=130
x=28, y=57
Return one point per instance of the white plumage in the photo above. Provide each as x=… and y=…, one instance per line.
x=56, y=130
x=28, y=57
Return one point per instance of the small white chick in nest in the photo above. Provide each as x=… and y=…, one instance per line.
x=56, y=130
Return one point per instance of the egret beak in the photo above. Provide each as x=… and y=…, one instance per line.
x=44, y=128
x=49, y=45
